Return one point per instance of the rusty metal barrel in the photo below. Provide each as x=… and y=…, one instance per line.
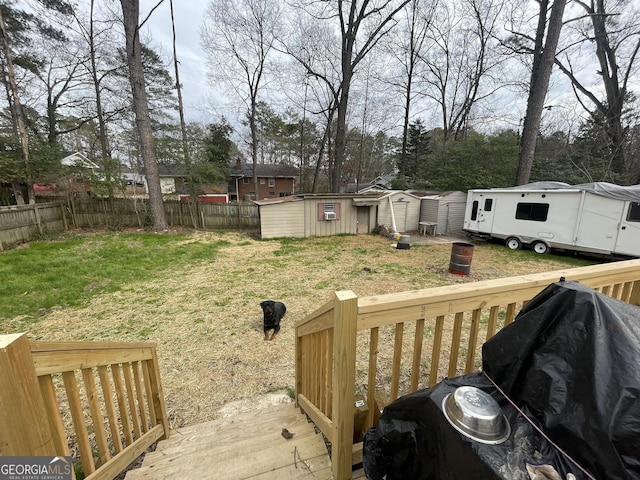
x=461, y=255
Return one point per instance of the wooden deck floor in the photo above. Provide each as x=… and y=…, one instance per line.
x=246, y=446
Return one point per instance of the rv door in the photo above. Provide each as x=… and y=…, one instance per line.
x=628, y=242
x=482, y=210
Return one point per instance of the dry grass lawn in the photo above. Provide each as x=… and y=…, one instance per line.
x=207, y=320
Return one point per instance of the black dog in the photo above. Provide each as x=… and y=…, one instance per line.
x=273, y=313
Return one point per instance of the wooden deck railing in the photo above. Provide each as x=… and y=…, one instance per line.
x=376, y=345
x=101, y=402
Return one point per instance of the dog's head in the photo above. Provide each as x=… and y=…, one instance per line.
x=268, y=307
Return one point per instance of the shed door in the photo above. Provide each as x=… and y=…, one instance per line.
x=400, y=211
x=363, y=219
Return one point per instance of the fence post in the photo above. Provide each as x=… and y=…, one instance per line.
x=36, y=212
x=344, y=378
x=25, y=427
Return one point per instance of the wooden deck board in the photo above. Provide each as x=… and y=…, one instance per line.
x=248, y=446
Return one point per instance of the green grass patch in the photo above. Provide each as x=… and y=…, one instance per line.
x=70, y=271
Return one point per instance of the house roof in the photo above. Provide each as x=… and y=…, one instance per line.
x=239, y=169
x=77, y=159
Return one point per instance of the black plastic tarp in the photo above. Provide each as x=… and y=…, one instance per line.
x=569, y=363
x=413, y=440
x=571, y=360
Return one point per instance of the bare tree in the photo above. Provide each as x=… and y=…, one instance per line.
x=193, y=197
x=543, y=50
x=461, y=60
x=613, y=29
x=239, y=37
x=310, y=43
x=408, y=48
x=130, y=10
x=361, y=26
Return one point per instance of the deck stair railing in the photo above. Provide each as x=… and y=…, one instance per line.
x=429, y=334
x=101, y=402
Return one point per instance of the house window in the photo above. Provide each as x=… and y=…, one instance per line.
x=262, y=182
x=272, y=182
x=488, y=204
x=633, y=214
x=329, y=207
x=245, y=180
x=536, y=212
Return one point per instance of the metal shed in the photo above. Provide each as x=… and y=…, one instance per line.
x=445, y=209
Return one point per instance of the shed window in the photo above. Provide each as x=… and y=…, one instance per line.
x=488, y=204
x=633, y=214
x=536, y=212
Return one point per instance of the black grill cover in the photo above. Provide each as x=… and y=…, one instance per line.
x=571, y=361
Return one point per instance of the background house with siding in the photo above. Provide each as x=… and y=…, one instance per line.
x=446, y=209
x=316, y=215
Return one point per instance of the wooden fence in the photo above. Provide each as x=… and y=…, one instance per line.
x=136, y=212
x=22, y=223
x=389, y=345
x=19, y=224
x=104, y=399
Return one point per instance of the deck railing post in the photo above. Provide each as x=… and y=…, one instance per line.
x=158, y=403
x=25, y=428
x=344, y=378
x=635, y=294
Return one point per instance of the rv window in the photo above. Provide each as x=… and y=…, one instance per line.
x=633, y=215
x=474, y=210
x=536, y=212
x=488, y=203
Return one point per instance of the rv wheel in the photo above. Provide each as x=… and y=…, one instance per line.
x=540, y=247
x=513, y=243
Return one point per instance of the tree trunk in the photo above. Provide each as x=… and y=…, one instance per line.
x=130, y=10
x=18, y=118
x=544, y=57
x=254, y=145
x=343, y=104
x=193, y=193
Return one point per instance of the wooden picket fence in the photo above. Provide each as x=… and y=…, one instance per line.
x=19, y=224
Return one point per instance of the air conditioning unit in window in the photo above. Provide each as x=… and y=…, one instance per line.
x=330, y=215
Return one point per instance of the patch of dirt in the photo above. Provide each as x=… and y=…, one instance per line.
x=207, y=320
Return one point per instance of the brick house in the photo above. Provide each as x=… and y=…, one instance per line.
x=274, y=181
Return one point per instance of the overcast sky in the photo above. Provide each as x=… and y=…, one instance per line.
x=188, y=17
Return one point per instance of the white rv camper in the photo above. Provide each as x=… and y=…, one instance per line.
x=597, y=218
